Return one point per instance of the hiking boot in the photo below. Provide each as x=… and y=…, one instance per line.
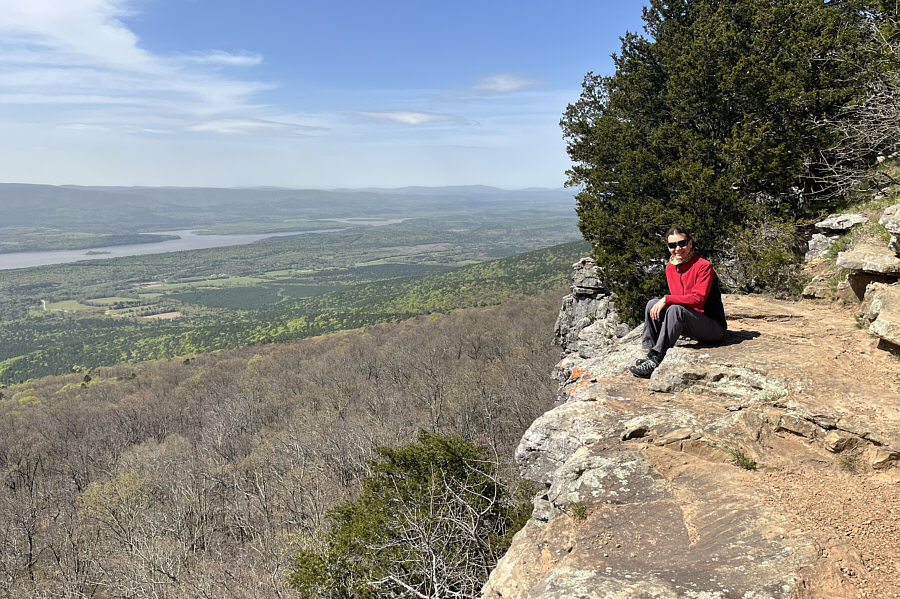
x=645, y=368
x=650, y=354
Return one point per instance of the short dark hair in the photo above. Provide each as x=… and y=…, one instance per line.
x=680, y=231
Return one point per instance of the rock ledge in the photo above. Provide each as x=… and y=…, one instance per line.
x=640, y=494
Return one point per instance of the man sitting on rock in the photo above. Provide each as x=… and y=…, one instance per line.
x=693, y=307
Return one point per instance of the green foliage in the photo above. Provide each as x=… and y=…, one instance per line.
x=850, y=463
x=708, y=123
x=432, y=517
x=52, y=342
x=741, y=459
x=764, y=258
x=842, y=243
x=578, y=510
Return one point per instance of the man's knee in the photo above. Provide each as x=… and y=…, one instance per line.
x=650, y=304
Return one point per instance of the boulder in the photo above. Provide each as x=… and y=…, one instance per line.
x=890, y=219
x=870, y=258
x=838, y=441
x=818, y=288
x=884, y=458
x=841, y=222
x=819, y=245
x=846, y=294
x=881, y=309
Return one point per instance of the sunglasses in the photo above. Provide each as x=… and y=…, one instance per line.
x=680, y=244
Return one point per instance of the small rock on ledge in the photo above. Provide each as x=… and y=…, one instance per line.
x=841, y=222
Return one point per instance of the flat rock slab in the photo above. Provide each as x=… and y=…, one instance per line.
x=841, y=222
x=683, y=531
x=870, y=258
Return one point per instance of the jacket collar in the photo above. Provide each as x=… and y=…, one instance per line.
x=686, y=264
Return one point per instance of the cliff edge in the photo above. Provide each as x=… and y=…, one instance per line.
x=766, y=466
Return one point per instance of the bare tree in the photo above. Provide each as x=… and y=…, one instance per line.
x=445, y=547
x=867, y=131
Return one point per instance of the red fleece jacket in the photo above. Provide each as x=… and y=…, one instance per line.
x=690, y=283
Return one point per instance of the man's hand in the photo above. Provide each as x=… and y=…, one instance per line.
x=656, y=310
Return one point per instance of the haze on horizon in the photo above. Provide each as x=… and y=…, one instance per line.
x=340, y=95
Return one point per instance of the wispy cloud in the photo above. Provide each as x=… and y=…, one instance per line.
x=254, y=126
x=219, y=57
x=503, y=84
x=409, y=117
x=79, y=53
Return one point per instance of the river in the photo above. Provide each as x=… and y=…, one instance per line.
x=187, y=240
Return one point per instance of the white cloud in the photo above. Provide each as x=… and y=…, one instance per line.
x=503, y=84
x=85, y=127
x=236, y=59
x=68, y=99
x=253, y=126
x=409, y=117
x=86, y=28
x=75, y=54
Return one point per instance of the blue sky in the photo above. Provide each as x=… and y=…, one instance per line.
x=296, y=94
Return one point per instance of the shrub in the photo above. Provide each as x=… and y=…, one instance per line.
x=741, y=459
x=431, y=521
x=764, y=258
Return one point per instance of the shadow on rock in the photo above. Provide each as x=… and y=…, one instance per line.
x=731, y=338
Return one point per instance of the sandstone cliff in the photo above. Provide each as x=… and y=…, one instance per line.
x=641, y=492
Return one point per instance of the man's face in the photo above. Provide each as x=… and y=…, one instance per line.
x=682, y=247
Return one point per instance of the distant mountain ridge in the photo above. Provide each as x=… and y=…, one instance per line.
x=144, y=209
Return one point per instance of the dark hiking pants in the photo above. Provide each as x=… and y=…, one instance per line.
x=662, y=333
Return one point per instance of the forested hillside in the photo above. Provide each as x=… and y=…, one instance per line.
x=204, y=477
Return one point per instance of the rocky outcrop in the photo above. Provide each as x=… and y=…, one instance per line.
x=830, y=229
x=588, y=319
x=640, y=491
x=890, y=220
x=870, y=258
x=875, y=280
x=841, y=222
x=881, y=310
